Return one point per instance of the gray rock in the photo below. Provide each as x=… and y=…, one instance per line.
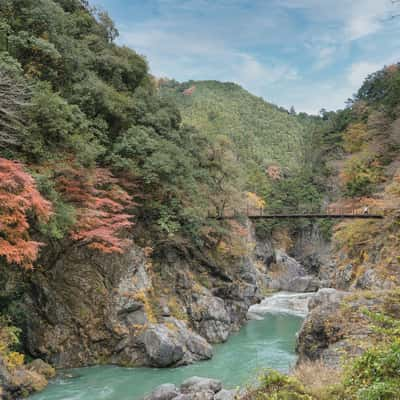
x=137, y=318
x=225, y=395
x=322, y=337
x=344, y=277
x=197, y=384
x=214, y=331
x=20, y=381
x=304, y=284
x=211, y=318
x=129, y=306
x=168, y=391
x=4, y=374
x=203, y=395
x=289, y=275
x=42, y=368
x=176, y=346
x=162, y=346
x=326, y=296
x=199, y=347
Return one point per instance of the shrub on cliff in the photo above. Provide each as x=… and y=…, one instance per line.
x=20, y=202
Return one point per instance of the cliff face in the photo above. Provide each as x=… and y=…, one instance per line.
x=87, y=308
x=161, y=309
x=302, y=262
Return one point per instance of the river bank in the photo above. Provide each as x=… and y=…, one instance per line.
x=268, y=342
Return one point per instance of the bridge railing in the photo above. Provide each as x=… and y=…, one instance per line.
x=265, y=212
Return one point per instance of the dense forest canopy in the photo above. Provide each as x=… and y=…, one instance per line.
x=108, y=143
x=86, y=113
x=86, y=116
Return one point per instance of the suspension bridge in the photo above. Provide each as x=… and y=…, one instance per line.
x=328, y=213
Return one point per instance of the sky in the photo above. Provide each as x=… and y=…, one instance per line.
x=310, y=54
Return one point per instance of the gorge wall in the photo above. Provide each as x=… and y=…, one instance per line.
x=163, y=309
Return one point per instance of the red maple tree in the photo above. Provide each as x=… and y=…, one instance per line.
x=100, y=204
x=19, y=200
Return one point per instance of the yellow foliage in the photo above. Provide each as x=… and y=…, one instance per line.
x=355, y=236
x=254, y=201
x=14, y=359
x=176, y=309
x=171, y=326
x=146, y=297
x=317, y=377
x=355, y=137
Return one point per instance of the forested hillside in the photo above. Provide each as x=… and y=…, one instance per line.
x=360, y=147
x=272, y=145
x=93, y=162
x=84, y=117
x=262, y=133
x=97, y=173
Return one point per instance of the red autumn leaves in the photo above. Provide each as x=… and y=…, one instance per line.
x=19, y=198
x=99, y=201
x=100, y=205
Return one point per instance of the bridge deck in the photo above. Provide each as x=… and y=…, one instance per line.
x=329, y=213
x=319, y=216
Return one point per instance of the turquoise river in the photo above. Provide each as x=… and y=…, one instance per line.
x=265, y=342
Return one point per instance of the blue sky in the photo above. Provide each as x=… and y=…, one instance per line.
x=306, y=53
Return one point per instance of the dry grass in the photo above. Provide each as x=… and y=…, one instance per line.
x=317, y=377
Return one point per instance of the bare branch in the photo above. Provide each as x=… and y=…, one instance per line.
x=13, y=98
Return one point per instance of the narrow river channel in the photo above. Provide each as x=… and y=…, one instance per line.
x=267, y=341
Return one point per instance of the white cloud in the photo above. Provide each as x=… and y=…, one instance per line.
x=252, y=73
x=325, y=57
x=366, y=17
x=333, y=94
x=360, y=70
x=198, y=57
x=355, y=19
x=278, y=49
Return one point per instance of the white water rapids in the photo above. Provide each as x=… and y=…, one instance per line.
x=282, y=303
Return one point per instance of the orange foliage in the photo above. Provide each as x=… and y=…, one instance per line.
x=235, y=244
x=189, y=91
x=392, y=69
x=18, y=197
x=100, y=203
x=274, y=172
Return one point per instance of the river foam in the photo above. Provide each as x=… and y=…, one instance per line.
x=281, y=303
x=268, y=342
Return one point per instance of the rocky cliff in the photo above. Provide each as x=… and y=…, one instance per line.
x=142, y=308
x=161, y=309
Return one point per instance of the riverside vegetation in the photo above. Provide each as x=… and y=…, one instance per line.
x=107, y=175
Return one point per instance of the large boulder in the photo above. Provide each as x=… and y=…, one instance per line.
x=211, y=318
x=226, y=395
x=168, y=391
x=289, y=275
x=336, y=326
x=173, y=343
x=162, y=346
x=304, y=284
x=325, y=297
x=42, y=368
x=197, y=384
x=194, y=388
x=23, y=380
